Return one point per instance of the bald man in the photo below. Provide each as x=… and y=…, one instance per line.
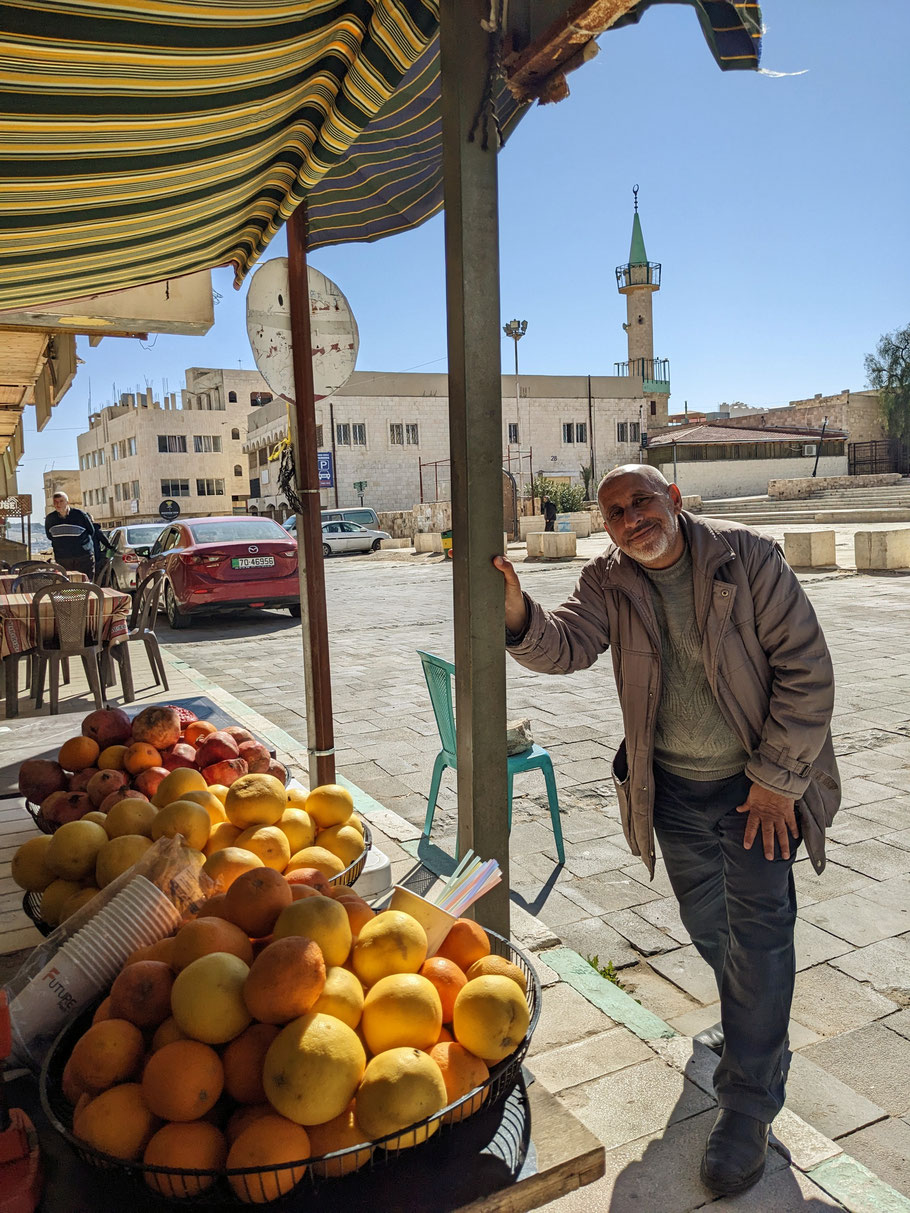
x=727, y=691
x=72, y=536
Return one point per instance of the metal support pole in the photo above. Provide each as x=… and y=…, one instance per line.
x=475, y=436
x=314, y=624
x=818, y=449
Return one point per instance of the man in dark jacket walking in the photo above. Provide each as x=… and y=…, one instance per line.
x=548, y=509
x=72, y=536
x=727, y=692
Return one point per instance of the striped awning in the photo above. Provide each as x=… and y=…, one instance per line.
x=145, y=139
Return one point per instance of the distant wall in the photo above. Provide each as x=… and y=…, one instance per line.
x=805, y=486
x=743, y=477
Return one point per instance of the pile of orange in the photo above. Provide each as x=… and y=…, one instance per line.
x=284, y=1022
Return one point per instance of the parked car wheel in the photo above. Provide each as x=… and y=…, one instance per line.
x=377, y=544
x=295, y=610
x=326, y=550
x=175, y=617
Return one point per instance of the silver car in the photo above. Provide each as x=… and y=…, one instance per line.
x=125, y=561
x=350, y=537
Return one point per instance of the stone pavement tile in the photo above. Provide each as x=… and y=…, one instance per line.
x=531, y=933
x=595, y=937
x=849, y=827
x=806, y=1145
x=588, y=770
x=696, y=1019
x=592, y=858
x=895, y=891
x=582, y=825
x=781, y=1190
x=832, y=1002
x=529, y=839
x=639, y=1100
x=643, y=936
x=864, y=791
x=547, y=976
x=660, y=885
x=899, y=839
x=826, y=1103
x=873, y=1061
x=873, y=858
x=686, y=969
x=541, y=867
x=884, y=965
x=551, y=906
x=893, y=812
x=565, y=1018
x=583, y=1060
x=899, y=1023
x=664, y=913
x=833, y=882
x=607, y=892
x=657, y=994
x=656, y=1173
x=575, y=751
x=691, y=1058
x=885, y=1149
x=858, y=919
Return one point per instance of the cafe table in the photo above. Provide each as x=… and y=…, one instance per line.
x=7, y=579
x=17, y=630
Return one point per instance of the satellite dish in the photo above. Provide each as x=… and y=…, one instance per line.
x=268, y=323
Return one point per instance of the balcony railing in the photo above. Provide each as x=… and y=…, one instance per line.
x=654, y=372
x=645, y=273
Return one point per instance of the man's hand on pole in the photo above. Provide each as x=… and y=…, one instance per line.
x=774, y=815
x=516, y=609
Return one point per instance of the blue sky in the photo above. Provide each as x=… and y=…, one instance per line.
x=777, y=206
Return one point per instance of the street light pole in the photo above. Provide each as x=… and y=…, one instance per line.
x=516, y=329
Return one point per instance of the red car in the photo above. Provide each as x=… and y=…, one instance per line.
x=224, y=564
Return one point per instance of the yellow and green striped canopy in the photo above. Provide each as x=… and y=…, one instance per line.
x=145, y=139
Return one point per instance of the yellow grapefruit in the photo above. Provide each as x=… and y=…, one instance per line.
x=172, y=787
x=255, y=800
x=342, y=996
x=400, y=1087
x=207, y=998
x=400, y=1010
x=392, y=942
x=269, y=843
x=491, y=1017
x=313, y=1068
x=329, y=805
x=321, y=919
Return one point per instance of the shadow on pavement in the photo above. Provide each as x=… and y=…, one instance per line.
x=227, y=627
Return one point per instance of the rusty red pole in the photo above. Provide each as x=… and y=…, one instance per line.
x=313, y=617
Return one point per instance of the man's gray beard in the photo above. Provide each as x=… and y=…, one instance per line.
x=656, y=548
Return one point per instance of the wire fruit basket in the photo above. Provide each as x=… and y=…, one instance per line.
x=31, y=902
x=291, y=1181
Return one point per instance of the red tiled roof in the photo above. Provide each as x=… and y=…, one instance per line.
x=689, y=434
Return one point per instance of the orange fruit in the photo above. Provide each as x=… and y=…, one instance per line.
x=401, y=1010
x=195, y=1147
x=162, y=950
x=487, y=966
x=213, y=907
x=342, y=996
x=78, y=753
x=255, y=899
x=139, y=757
x=130, y=817
x=196, y=730
x=392, y=942
x=70, y=1085
x=172, y=787
x=166, y=1033
x=117, y=1122
x=243, y=1116
x=141, y=993
x=111, y=759
x=255, y=800
x=222, y=836
x=448, y=980
x=338, y=1134
x=299, y=827
x=268, y=1141
x=285, y=980
x=465, y=943
x=313, y=1068
x=299, y=891
x=461, y=1072
x=358, y=912
x=242, y=1061
x=182, y=1080
x=104, y=1011
x=210, y=803
x=109, y=1052
x=202, y=936
x=343, y=841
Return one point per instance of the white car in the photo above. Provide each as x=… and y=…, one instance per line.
x=350, y=537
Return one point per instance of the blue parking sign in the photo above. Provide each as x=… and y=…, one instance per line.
x=326, y=470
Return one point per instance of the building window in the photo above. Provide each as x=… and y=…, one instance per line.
x=513, y=433
x=135, y=487
x=343, y=433
x=412, y=434
x=568, y=431
x=235, y=433
x=114, y=454
x=581, y=431
x=257, y=398
x=101, y=457
x=264, y=474
x=359, y=433
x=171, y=444
x=238, y=470
x=117, y=491
x=209, y=488
x=622, y=431
x=232, y=397
x=207, y=444
x=263, y=456
x=396, y=433
x=634, y=431
x=653, y=408
x=318, y=436
x=174, y=488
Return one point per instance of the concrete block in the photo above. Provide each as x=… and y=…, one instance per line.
x=387, y=544
x=557, y=545
x=429, y=541
x=535, y=543
x=882, y=549
x=809, y=549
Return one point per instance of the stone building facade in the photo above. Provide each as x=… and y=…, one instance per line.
x=140, y=451
x=62, y=480
x=857, y=413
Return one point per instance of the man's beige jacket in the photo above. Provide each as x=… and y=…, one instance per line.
x=764, y=654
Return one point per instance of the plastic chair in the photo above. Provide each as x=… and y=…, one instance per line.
x=439, y=674
x=77, y=632
x=142, y=627
x=30, y=566
x=36, y=579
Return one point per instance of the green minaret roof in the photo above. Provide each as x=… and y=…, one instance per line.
x=637, y=254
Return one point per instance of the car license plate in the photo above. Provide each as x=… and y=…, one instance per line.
x=252, y=562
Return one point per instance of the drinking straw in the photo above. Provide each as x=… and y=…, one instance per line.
x=440, y=896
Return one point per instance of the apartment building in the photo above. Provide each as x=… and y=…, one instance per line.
x=140, y=451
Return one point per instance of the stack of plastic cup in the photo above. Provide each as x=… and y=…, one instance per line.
x=83, y=967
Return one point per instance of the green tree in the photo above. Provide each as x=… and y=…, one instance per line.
x=567, y=498
x=888, y=371
x=587, y=475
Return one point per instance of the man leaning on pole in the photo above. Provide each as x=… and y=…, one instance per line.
x=727, y=691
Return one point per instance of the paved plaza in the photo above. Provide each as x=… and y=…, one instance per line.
x=851, y=1023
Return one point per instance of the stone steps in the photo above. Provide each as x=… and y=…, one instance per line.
x=890, y=503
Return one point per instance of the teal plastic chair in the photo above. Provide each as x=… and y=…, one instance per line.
x=439, y=675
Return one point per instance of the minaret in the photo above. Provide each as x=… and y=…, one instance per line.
x=638, y=280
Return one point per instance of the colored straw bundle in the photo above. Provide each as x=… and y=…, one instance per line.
x=471, y=879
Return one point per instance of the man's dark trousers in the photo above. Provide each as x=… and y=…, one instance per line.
x=78, y=564
x=740, y=910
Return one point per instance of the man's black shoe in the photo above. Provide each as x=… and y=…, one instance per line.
x=735, y=1153
x=713, y=1037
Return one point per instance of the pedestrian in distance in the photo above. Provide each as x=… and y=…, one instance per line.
x=548, y=509
x=727, y=691
x=72, y=535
